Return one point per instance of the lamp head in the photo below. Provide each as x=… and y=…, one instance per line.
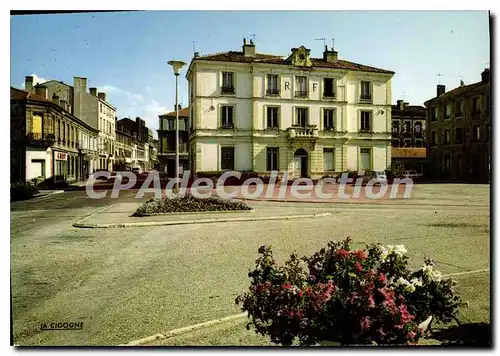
x=176, y=66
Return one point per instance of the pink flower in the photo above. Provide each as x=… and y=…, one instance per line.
x=371, y=301
x=361, y=255
x=365, y=323
x=358, y=266
x=411, y=335
x=300, y=293
x=286, y=286
x=292, y=314
x=342, y=253
x=382, y=278
x=268, y=284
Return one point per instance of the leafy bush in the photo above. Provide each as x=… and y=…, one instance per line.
x=189, y=204
x=234, y=181
x=22, y=191
x=340, y=295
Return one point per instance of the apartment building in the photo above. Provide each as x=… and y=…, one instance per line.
x=459, y=131
x=47, y=141
x=304, y=115
x=409, y=150
x=140, y=140
x=167, y=141
x=92, y=108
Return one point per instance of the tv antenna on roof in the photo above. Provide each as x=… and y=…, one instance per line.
x=321, y=39
x=253, y=37
x=194, y=46
x=333, y=43
x=439, y=75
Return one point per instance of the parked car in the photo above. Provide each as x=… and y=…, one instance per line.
x=137, y=170
x=412, y=174
x=380, y=177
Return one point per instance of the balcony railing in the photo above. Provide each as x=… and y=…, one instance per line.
x=365, y=97
x=329, y=95
x=46, y=139
x=272, y=92
x=227, y=90
x=301, y=93
x=299, y=132
x=227, y=125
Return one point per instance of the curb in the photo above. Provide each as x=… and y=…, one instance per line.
x=183, y=330
x=199, y=221
x=42, y=196
x=195, y=212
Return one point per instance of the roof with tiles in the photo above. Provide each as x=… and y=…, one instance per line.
x=18, y=94
x=239, y=57
x=182, y=113
x=464, y=89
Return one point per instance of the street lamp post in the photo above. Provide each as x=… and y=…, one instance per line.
x=176, y=66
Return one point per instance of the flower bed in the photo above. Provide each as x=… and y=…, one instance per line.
x=365, y=296
x=189, y=204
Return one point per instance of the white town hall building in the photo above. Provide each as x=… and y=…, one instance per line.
x=308, y=116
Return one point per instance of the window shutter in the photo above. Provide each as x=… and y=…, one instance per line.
x=371, y=90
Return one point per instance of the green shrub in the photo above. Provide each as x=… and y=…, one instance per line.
x=22, y=191
x=189, y=204
x=365, y=296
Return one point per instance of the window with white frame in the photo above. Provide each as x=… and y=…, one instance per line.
x=366, y=92
x=226, y=119
x=227, y=158
x=301, y=117
x=328, y=159
x=272, y=84
x=328, y=119
x=365, y=121
x=328, y=88
x=272, y=117
x=365, y=160
x=301, y=86
x=227, y=83
x=272, y=159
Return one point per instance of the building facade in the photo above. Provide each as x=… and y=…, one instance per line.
x=408, y=137
x=307, y=116
x=459, y=132
x=167, y=141
x=124, y=150
x=92, y=108
x=47, y=141
x=153, y=150
x=139, y=133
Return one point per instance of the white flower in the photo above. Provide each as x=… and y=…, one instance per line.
x=403, y=282
x=417, y=282
x=400, y=250
x=436, y=276
x=383, y=253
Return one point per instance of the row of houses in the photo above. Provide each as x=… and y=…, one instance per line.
x=314, y=117
x=63, y=132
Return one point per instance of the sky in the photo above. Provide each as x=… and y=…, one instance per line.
x=125, y=54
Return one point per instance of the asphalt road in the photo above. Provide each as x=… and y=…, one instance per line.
x=129, y=283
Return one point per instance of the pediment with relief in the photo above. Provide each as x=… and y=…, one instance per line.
x=300, y=57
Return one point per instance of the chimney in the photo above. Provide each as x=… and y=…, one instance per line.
x=401, y=105
x=28, y=83
x=248, y=48
x=63, y=104
x=93, y=91
x=55, y=99
x=42, y=91
x=102, y=96
x=440, y=89
x=485, y=75
x=80, y=84
x=329, y=55
x=196, y=54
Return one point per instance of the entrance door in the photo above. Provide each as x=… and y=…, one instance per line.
x=300, y=159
